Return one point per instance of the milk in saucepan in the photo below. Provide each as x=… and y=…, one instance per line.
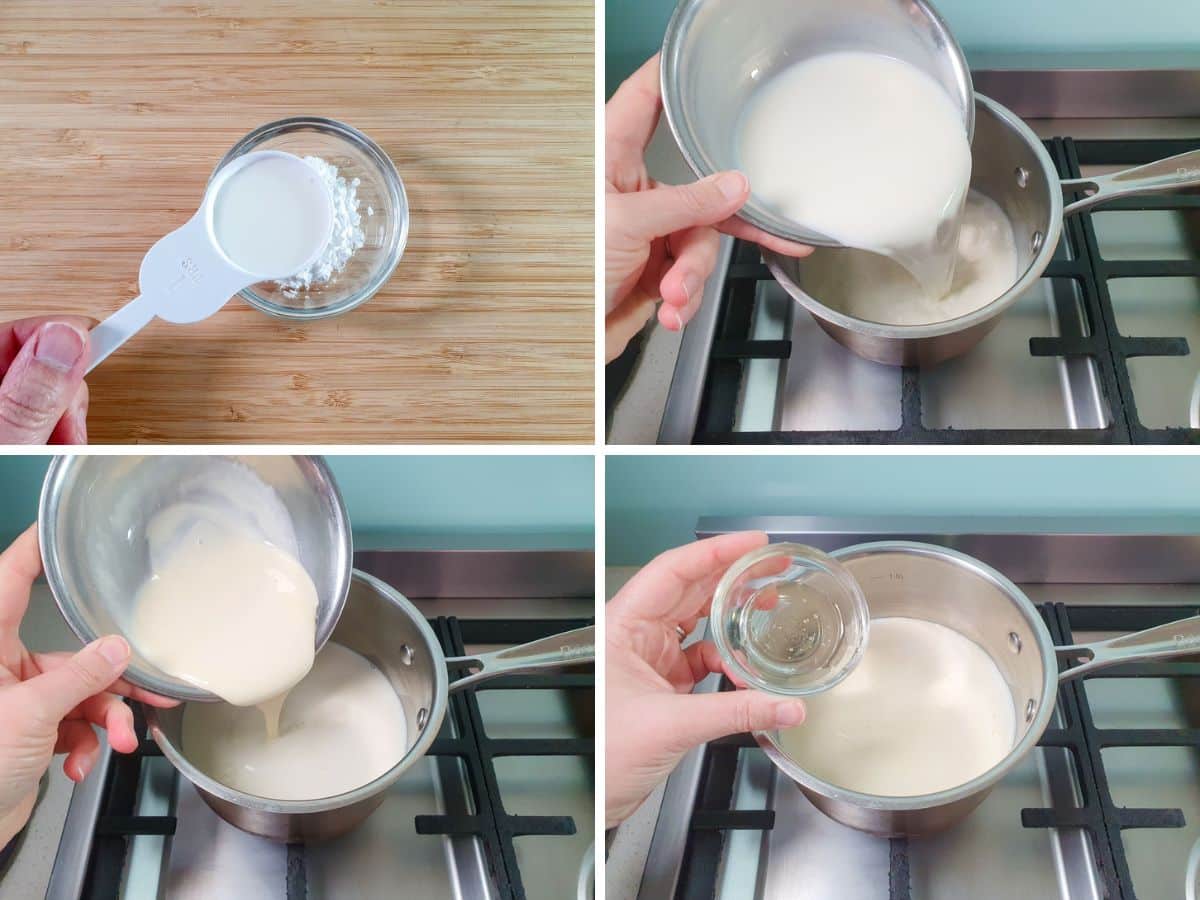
x=924, y=711
x=876, y=288
x=866, y=149
x=342, y=727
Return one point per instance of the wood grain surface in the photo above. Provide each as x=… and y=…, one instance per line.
x=115, y=112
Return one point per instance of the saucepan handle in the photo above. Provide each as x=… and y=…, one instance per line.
x=1161, y=642
x=566, y=649
x=1168, y=174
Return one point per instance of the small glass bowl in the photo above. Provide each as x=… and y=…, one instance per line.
x=789, y=619
x=383, y=205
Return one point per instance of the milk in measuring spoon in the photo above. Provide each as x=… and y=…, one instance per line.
x=224, y=608
x=272, y=216
x=866, y=149
x=925, y=710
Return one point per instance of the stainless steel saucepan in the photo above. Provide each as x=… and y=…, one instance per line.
x=1010, y=166
x=923, y=581
x=379, y=623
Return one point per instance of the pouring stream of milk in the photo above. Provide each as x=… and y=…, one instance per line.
x=225, y=609
x=344, y=725
x=866, y=149
x=876, y=288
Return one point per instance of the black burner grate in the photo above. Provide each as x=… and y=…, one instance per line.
x=1098, y=814
x=495, y=827
x=734, y=345
x=713, y=815
x=463, y=736
x=117, y=821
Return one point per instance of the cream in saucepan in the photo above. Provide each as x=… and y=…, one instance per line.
x=342, y=727
x=924, y=711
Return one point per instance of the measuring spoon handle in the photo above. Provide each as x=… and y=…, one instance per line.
x=1172, y=173
x=118, y=328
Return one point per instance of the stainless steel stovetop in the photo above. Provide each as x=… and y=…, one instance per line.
x=1119, y=322
x=1148, y=731
x=80, y=844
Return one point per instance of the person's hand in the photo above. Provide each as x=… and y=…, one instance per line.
x=43, y=397
x=652, y=717
x=660, y=242
x=50, y=701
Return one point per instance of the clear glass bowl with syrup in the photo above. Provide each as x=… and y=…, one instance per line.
x=383, y=206
x=789, y=619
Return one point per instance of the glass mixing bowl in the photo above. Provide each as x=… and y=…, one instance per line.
x=383, y=206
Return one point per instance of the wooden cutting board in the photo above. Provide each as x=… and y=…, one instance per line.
x=115, y=113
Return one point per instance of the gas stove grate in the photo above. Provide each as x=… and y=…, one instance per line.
x=496, y=829
x=734, y=346
x=713, y=815
x=117, y=820
x=1098, y=814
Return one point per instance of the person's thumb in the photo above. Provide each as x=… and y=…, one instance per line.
x=41, y=382
x=700, y=718
x=89, y=672
x=666, y=210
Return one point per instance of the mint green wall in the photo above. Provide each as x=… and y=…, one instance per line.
x=20, y=484
x=1041, y=28
x=653, y=502
x=535, y=500
x=444, y=501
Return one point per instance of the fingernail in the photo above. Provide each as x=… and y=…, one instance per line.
x=114, y=649
x=82, y=768
x=59, y=345
x=678, y=320
x=789, y=714
x=692, y=285
x=732, y=185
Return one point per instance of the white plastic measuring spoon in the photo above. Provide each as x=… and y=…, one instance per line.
x=265, y=216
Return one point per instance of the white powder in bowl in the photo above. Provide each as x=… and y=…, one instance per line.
x=347, y=236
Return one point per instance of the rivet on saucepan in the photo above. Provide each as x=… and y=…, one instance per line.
x=1014, y=641
x=1022, y=174
x=1038, y=237
x=1029, y=709
x=423, y=717
x=406, y=654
